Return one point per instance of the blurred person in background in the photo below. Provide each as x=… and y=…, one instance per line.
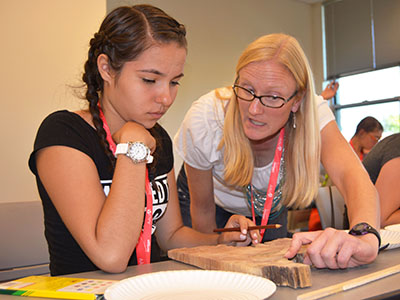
x=383, y=166
x=368, y=133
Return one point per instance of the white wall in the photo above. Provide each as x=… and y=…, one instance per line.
x=44, y=45
x=217, y=33
x=43, y=48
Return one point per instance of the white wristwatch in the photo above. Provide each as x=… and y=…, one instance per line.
x=137, y=151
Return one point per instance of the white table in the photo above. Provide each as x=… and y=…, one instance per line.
x=320, y=278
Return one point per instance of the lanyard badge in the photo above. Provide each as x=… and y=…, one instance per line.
x=273, y=179
x=143, y=247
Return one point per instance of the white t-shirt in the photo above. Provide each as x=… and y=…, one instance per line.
x=198, y=138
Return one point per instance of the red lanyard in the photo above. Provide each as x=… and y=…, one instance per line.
x=273, y=179
x=143, y=247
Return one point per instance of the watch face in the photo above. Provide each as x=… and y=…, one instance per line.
x=137, y=151
x=361, y=227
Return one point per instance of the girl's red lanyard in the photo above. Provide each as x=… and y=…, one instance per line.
x=143, y=247
x=273, y=179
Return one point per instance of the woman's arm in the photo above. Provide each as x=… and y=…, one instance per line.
x=349, y=175
x=388, y=188
x=202, y=205
x=334, y=248
x=172, y=234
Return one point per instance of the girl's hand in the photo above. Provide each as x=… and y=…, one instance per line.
x=134, y=132
x=242, y=238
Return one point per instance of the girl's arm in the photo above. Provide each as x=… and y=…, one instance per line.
x=171, y=233
x=106, y=228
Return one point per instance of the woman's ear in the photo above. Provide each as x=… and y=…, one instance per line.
x=104, y=68
x=297, y=101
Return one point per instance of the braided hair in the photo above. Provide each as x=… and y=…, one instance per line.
x=124, y=34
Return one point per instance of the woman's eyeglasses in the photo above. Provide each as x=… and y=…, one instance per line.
x=271, y=101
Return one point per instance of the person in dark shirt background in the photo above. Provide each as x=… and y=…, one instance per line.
x=383, y=166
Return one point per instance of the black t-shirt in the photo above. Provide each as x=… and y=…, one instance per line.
x=65, y=128
x=381, y=153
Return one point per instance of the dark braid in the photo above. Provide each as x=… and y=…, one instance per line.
x=124, y=34
x=94, y=84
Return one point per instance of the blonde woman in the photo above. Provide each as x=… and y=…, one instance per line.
x=269, y=132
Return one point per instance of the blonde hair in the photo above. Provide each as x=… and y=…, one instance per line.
x=302, y=144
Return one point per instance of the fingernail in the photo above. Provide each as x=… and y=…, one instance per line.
x=244, y=231
x=242, y=236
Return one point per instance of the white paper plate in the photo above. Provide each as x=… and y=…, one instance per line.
x=394, y=227
x=193, y=285
x=390, y=237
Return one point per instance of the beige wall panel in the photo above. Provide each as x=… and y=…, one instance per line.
x=43, y=48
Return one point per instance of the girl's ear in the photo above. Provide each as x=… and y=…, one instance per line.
x=104, y=68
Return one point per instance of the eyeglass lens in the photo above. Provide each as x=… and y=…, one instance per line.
x=270, y=101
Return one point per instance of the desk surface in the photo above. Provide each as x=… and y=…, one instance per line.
x=321, y=278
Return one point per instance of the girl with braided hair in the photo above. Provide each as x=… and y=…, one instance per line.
x=105, y=174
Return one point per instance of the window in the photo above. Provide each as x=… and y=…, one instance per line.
x=362, y=52
x=360, y=35
x=375, y=93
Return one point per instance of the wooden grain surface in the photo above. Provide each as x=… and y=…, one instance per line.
x=264, y=260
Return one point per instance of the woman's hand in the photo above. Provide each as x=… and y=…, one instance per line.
x=134, y=132
x=330, y=90
x=242, y=238
x=334, y=249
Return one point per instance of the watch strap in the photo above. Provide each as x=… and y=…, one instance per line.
x=121, y=149
x=364, y=228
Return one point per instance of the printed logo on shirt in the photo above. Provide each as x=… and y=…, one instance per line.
x=160, y=196
x=106, y=186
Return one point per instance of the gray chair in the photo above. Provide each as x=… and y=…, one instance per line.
x=23, y=247
x=330, y=205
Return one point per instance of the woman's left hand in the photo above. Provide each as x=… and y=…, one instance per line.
x=334, y=249
x=330, y=90
x=242, y=238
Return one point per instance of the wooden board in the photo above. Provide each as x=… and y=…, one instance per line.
x=264, y=260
